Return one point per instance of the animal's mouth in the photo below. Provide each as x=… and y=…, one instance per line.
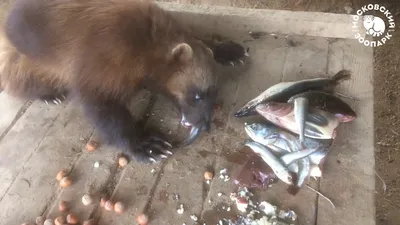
x=195, y=129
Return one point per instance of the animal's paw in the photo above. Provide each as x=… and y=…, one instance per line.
x=152, y=149
x=230, y=53
x=53, y=99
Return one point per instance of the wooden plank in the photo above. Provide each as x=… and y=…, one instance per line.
x=236, y=20
x=135, y=184
x=87, y=179
x=11, y=109
x=349, y=177
x=35, y=180
x=23, y=140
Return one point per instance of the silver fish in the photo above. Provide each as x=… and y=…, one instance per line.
x=289, y=158
x=282, y=142
x=279, y=169
x=300, y=115
x=284, y=90
x=277, y=139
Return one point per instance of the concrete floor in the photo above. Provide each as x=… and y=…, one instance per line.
x=36, y=140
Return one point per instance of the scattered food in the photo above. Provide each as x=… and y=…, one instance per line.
x=143, y=219
x=60, y=220
x=175, y=196
x=103, y=201
x=119, y=207
x=92, y=145
x=87, y=200
x=194, y=218
x=72, y=219
x=40, y=220
x=223, y=174
x=208, y=175
x=122, y=161
x=181, y=209
x=49, y=222
x=109, y=206
x=60, y=175
x=96, y=165
x=89, y=222
x=219, y=194
x=63, y=206
x=153, y=171
x=65, y=182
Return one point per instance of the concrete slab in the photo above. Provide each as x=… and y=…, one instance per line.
x=303, y=47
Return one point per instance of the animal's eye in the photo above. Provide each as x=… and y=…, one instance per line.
x=198, y=96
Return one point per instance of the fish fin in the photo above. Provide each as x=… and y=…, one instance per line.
x=341, y=75
x=317, y=119
x=244, y=112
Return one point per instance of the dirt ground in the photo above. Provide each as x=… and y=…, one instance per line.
x=386, y=92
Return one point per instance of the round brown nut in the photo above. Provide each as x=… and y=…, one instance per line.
x=122, y=161
x=40, y=220
x=87, y=199
x=208, y=175
x=63, y=206
x=60, y=175
x=72, y=219
x=60, y=220
x=49, y=222
x=89, y=222
x=143, y=219
x=119, y=207
x=65, y=182
x=109, y=206
x=103, y=201
x=92, y=145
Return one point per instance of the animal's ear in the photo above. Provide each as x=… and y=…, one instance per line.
x=182, y=52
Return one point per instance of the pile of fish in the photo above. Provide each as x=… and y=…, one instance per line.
x=303, y=119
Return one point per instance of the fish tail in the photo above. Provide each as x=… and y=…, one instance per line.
x=341, y=75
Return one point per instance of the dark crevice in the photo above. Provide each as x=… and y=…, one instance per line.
x=21, y=112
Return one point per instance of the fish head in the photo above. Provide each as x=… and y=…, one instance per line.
x=261, y=132
x=277, y=109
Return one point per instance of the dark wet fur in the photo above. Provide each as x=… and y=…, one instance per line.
x=227, y=52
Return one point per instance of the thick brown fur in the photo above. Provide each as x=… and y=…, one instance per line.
x=102, y=52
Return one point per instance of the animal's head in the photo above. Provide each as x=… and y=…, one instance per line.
x=193, y=84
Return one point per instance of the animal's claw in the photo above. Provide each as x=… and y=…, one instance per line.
x=53, y=99
x=154, y=149
x=229, y=53
x=167, y=152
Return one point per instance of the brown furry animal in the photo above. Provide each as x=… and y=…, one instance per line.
x=103, y=52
